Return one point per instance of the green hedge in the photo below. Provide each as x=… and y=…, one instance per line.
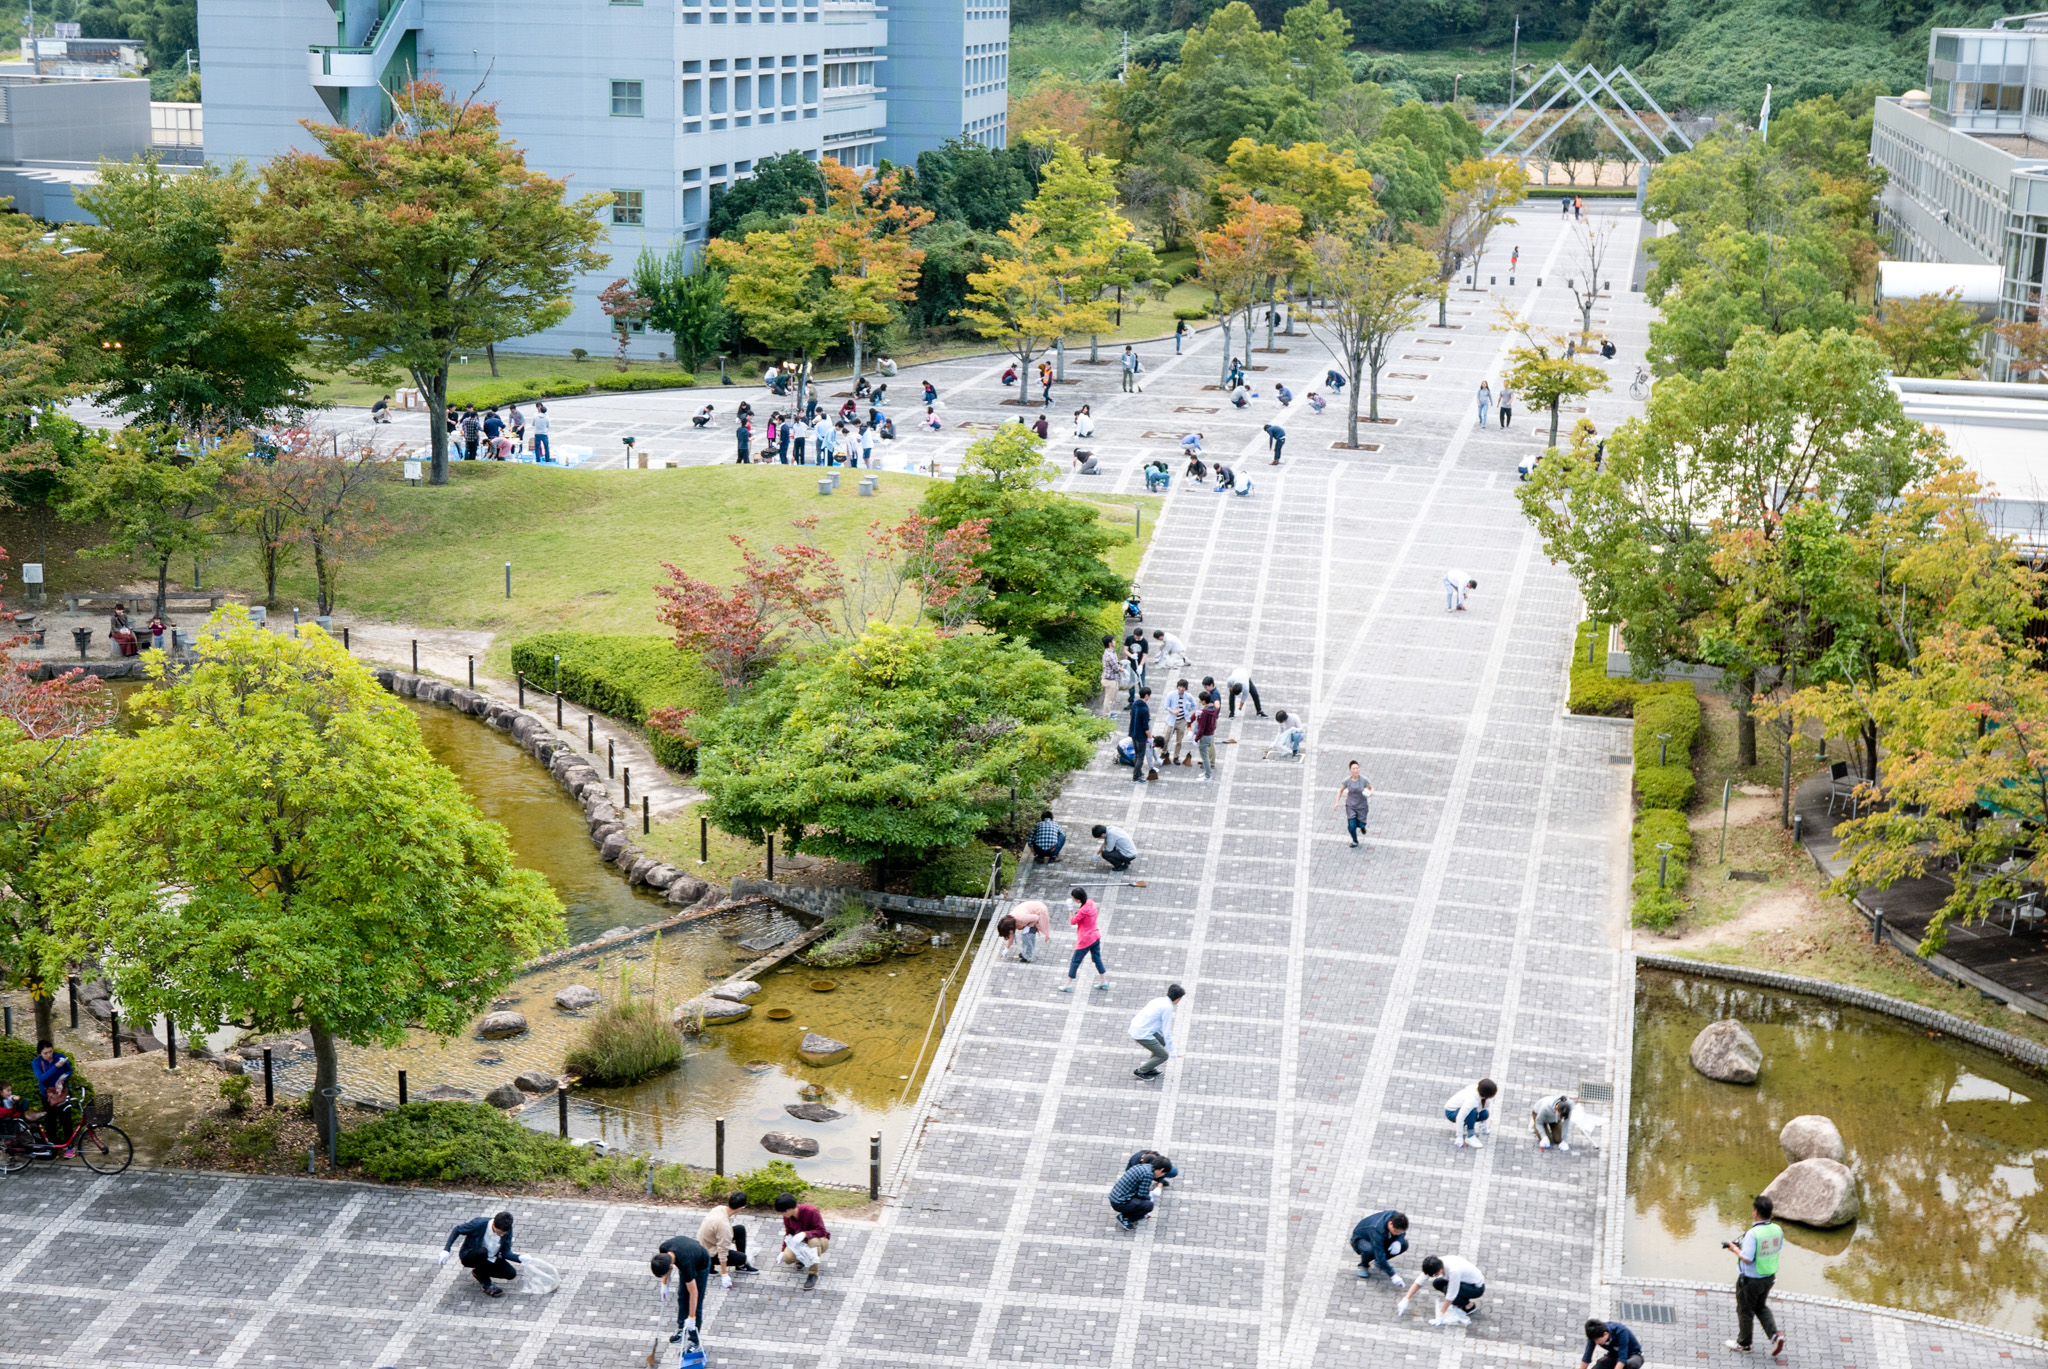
x=1191, y=315
x=471, y=1142
x=624, y=677
x=1594, y=692
x=644, y=380
x=1076, y=648
x=1656, y=907
x=1677, y=713
x=499, y=392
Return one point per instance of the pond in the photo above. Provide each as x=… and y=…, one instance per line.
x=747, y=1073
x=1949, y=1144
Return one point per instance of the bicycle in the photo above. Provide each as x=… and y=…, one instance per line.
x=103, y=1147
x=1639, y=388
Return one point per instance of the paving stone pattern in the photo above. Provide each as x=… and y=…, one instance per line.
x=1336, y=996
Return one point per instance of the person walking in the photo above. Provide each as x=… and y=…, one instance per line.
x=1564, y=207
x=1141, y=730
x=1045, y=384
x=1459, y=1286
x=1354, y=796
x=1130, y=369
x=744, y=436
x=1756, y=1270
x=1514, y=260
x=1181, y=708
x=486, y=1251
x=1276, y=438
x=1456, y=585
x=1152, y=1028
x=1485, y=403
x=1180, y=331
x=1550, y=1117
x=1616, y=1345
x=1506, y=404
x=1466, y=1111
x=1239, y=684
x=1117, y=850
x=1087, y=939
x=1205, y=735
x=1377, y=1239
x=804, y=1237
x=540, y=433
x=689, y=1263
x=1131, y=1196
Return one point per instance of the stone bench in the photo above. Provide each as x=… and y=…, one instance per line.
x=100, y=600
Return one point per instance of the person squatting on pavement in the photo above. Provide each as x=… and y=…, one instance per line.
x=1466, y=1110
x=804, y=1237
x=1617, y=1346
x=1377, y=1239
x=1756, y=1269
x=1152, y=1028
x=1459, y=1286
x=486, y=1250
x=1131, y=1196
x=1551, y=1119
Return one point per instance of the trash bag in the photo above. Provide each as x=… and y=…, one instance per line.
x=536, y=1276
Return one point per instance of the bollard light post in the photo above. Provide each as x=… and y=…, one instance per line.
x=508, y=579
x=171, y=1043
x=114, y=1030
x=703, y=841
x=611, y=758
x=771, y=855
x=1663, y=748
x=718, y=1147
x=628, y=778
x=562, y=1110
x=590, y=733
x=73, y=986
x=1663, y=861
x=874, y=1166
x=522, y=689
x=472, y=672
x=646, y=815
x=269, y=1081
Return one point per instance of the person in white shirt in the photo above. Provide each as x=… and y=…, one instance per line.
x=1180, y=710
x=1467, y=1111
x=1168, y=650
x=1084, y=422
x=1456, y=582
x=1238, y=685
x=1458, y=1284
x=540, y=433
x=1152, y=1028
x=1289, y=738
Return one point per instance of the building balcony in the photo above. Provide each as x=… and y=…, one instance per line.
x=353, y=67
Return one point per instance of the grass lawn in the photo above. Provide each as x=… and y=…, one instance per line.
x=586, y=547
x=337, y=388
x=1714, y=754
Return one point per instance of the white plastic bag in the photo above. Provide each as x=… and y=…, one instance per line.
x=536, y=1276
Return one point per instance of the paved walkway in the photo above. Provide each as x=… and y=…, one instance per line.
x=1336, y=997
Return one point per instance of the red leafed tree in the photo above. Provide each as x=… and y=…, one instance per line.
x=69, y=706
x=738, y=629
x=625, y=306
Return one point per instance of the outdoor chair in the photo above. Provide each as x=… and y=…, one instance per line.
x=2026, y=908
x=1842, y=785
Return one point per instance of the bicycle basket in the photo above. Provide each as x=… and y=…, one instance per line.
x=99, y=1112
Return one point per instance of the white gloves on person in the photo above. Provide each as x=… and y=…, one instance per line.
x=443, y=1259
x=1400, y=1282
x=690, y=1325
x=664, y=1292
x=725, y=1280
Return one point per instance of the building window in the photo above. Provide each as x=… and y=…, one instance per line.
x=627, y=101
x=629, y=208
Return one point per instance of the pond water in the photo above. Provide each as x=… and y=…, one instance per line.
x=747, y=1073
x=1949, y=1144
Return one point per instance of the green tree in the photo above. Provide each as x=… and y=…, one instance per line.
x=1545, y=377
x=1407, y=184
x=398, y=251
x=1931, y=335
x=1476, y=201
x=973, y=184
x=1034, y=295
x=1371, y=291
x=1043, y=565
x=189, y=348
x=685, y=291
x=891, y=747
x=155, y=499
x=781, y=188
x=280, y=851
x=1316, y=38
x=48, y=338
x=1077, y=206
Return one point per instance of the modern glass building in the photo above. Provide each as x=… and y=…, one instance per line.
x=1968, y=160
x=662, y=102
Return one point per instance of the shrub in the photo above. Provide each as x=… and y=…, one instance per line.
x=578, y=353
x=1656, y=907
x=1675, y=711
x=760, y=1185
x=1594, y=692
x=645, y=380
x=1076, y=647
x=854, y=935
x=235, y=1089
x=15, y=1069
x=962, y=871
x=1191, y=315
x=624, y=677
x=501, y=392
x=623, y=1044
x=256, y=1140
x=454, y=1141
x=1664, y=786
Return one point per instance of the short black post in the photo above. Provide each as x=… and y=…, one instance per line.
x=718, y=1147
x=629, y=786
x=646, y=815
x=8, y=1013
x=269, y=1081
x=590, y=733
x=508, y=574
x=74, y=1002
x=562, y=1109
x=771, y=855
x=558, y=710
x=611, y=757
x=522, y=691
x=472, y=672
x=171, y=1042
x=415, y=655
x=703, y=841
x=874, y=1166
x=327, y=1098
x=1877, y=928
x=401, y=1088
x=344, y=639
x=114, y=1030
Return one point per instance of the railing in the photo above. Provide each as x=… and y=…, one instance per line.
x=362, y=64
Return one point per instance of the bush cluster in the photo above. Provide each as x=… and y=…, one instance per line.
x=625, y=677
x=962, y=871
x=644, y=380
x=623, y=1044
x=1656, y=907
x=1677, y=713
x=501, y=392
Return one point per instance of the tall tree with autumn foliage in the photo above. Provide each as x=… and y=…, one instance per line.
x=1256, y=246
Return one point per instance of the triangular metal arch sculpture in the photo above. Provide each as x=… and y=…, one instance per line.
x=1593, y=84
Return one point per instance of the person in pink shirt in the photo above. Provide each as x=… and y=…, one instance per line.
x=1087, y=940
x=1022, y=927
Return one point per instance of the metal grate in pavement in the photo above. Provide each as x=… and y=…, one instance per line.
x=1591, y=1092
x=1653, y=1313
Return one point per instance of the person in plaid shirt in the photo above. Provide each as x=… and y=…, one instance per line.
x=1047, y=839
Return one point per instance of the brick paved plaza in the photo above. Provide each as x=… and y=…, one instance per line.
x=1336, y=996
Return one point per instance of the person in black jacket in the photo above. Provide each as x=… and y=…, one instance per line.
x=486, y=1250
x=1615, y=1345
x=1377, y=1239
x=690, y=1262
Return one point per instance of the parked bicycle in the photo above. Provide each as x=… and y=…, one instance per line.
x=1639, y=388
x=93, y=1139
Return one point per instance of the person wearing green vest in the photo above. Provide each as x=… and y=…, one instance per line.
x=1756, y=1269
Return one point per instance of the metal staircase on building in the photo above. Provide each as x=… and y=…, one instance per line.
x=352, y=78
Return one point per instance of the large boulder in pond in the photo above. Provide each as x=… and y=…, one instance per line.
x=533, y=1081
x=576, y=997
x=447, y=1093
x=1812, y=1137
x=782, y=1143
x=812, y=1112
x=736, y=990
x=823, y=1050
x=505, y=1096
x=1726, y=1051
x=713, y=1012
x=498, y=1025
x=1815, y=1193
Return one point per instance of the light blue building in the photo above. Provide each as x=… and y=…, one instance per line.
x=661, y=102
